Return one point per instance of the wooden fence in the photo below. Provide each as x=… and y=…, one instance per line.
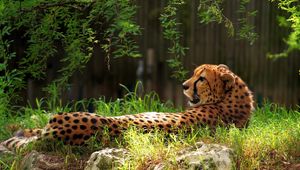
x=278, y=80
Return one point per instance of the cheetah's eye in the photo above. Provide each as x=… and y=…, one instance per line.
x=201, y=78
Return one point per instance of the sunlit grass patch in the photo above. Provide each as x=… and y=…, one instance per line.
x=271, y=141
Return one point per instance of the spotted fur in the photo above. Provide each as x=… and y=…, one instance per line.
x=217, y=97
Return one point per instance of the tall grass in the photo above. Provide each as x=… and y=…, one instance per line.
x=132, y=103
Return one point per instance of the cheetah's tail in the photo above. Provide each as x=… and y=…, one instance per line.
x=22, y=138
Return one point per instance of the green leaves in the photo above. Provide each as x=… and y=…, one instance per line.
x=122, y=28
x=11, y=80
x=171, y=32
x=246, y=30
x=210, y=11
x=73, y=28
x=290, y=21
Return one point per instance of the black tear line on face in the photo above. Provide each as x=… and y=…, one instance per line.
x=195, y=94
x=196, y=97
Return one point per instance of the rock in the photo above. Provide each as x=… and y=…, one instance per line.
x=110, y=158
x=206, y=156
x=198, y=156
x=38, y=161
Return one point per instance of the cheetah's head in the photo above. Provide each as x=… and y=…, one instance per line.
x=208, y=84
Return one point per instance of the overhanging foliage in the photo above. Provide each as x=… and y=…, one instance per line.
x=75, y=27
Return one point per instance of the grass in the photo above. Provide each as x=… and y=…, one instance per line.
x=271, y=141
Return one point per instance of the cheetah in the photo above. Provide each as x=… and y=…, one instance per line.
x=217, y=97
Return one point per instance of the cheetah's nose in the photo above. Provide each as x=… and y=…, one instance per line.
x=185, y=87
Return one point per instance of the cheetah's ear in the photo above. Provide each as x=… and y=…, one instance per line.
x=223, y=66
x=228, y=80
